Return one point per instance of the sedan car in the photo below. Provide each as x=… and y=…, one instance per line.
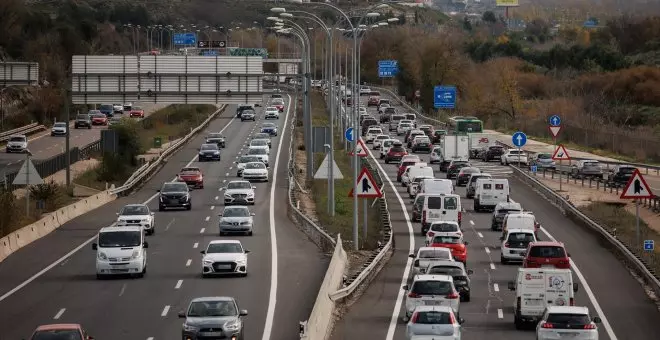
x=259, y=144
x=60, y=331
x=137, y=112
x=567, y=322
x=248, y=115
x=100, y=119
x=236, y=219
x=192, y=176
x=373, y=100
x=278, y=103
x=216, y=138
x=255, y=171
x=514, y=157
x=272, y=112
x=174, y=195
x=17, y=143
x=259, y=152
x=269, y=128
x=434, y=322
x=59, y=129
x=137, y=215
x=265, y=136
x=378, y=141
x=213, y=318
x=242, y=161
x=209, y=152
x=239, y=192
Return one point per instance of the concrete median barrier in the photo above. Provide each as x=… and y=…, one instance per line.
x=5, y=248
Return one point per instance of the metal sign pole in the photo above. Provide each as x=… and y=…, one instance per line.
x=366, y=221
x=637, y=222
x=27, y=184
x=519, y=151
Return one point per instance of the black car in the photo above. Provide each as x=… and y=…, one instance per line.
x=471, y=185
x=437, y=136
x=502, y=210
x=216, y=138
x=455, y=167
x=83, y=120
x=367, y=123
x=463, y=177
x=493, y=152
x=458, y=273
x=209, y=152
x=620, y=175
x=241, y=108
x=248, y=115
x=174, y=195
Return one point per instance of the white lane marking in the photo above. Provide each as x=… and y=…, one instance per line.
x=169, y=224
x=207, y=218
x=165, y=310
x=123, y=289
x=188, y=263
x=224, y=180
x=272, y=295
x=150, y=338
x=84, y=244
x=59, y=314
x=492, y=266
x=480, y=234
x=213, y=206
x=227, y=174
x=231, y=167
x=487, y=250
x=496, y=287
x=201, y=231
x=195, y=245
x=472, y=222
x=178, y=284
x=217, y=197
x=500, y=313
x=587, y=289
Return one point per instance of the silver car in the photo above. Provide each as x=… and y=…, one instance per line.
x=439, y=321
x=59, y=129
x=17, y=143
x=241, y=162
x=216, y=317
x=239, y=192
x=236, y=219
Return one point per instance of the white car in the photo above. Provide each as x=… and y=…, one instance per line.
x=362, y=110
x=137, y=215
x=426, y=255
x=434, y=323
x=59, y=129
x=386, y=146
x=381, y=107
x=402, y=128
x=567, y=322
x=443, y=228
x=436, y=155
x=239, y=192
x=372, y=133
x=514, y=156
x=255, y=171
x=17, y=143
x=117, y=108
x=226, y=257
x=259, y=144
x=378, y=141
x=514, y=244
x=259, y=152
x=272, y=112
x=365, y=91
x=413, y=187
x=431, y=290
x=240, y=163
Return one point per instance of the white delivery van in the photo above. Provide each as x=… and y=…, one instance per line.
x=436, y=186
x=521, y=220
x=419, y=169
x=490, y=191
x=538, y=288
x=121, y=251
x=442, y=207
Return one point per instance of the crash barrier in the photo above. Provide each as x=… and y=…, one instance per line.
x=641, y=262
x=32, y=232
x=54, y=220
x=23, y=130
x=321, y=320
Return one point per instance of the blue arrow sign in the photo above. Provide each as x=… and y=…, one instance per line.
x=388, y=68
x=555, y=120
x=349, y=134
x=649, y=245
x=444, y=97
x=519, y=139
x=184, y=39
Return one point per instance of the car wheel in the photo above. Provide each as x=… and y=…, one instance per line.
x=189, y=207
x=161, y=208
x=99, y=277
x=222, y=234
x=249, y=233
x=467, y=298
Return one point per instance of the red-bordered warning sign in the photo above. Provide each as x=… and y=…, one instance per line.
x=637, y=187
x=561, y=154
x=360, y=148
x=367, y=186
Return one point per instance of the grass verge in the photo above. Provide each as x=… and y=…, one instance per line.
x=616, y=219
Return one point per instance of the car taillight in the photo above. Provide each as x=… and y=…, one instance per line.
x=590, y=326
x=416, y=263
x=452, y=296
x=430, y=234
x=414, y=318
x=563, y=263
x=423, y=216
x=414, y=295
x=518, y=304
x=452, y=319
x=547, y=325
x=571, y=301
x=506, y=244
x=460, y=216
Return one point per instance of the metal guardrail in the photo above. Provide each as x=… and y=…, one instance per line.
x=23, y=130
x=634, y=256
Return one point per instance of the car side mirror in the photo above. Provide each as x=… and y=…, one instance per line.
x=246, y=251
x=597, y=319
x=501, y=238
x=243, y=312
x=252, y=214
x=95, y=246
x=157, y=190
x=405, y=287
x=153, y=213
x=470, y=271
x=145, y=245
x=412, y=256
x=569, y=254
x=511, y=285
x=254, y=187
x=202, y=252
x=575, y=287
x=466, y=243
x=182, y=314
x=461, y=321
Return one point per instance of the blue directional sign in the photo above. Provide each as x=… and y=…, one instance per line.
x=349, y=134
x=388, y=68
x=185, y=39
x=649, y=245
x=533, y=168
x=210, y=53
x=519, y=139
x=444, y=97
x=554, y=120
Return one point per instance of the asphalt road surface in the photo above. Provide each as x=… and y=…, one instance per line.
x=53, y=279
x=605, y=285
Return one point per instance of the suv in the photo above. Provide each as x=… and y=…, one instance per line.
x=239, y=192
x=17, y=143
x=620, y=174
x=493, y=152
x=174, y=195
x=83, y=120
x=587, y=168
x=542, y=254
x=241, y=108
x=137, y=215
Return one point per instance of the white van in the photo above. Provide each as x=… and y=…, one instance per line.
x=419, y=169
x=121, y=251
x=489, y=192
x=436, y=186
x=440, y=208
x=538, y=288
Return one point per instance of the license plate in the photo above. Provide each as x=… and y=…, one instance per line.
x=120, y=270
x=533, y=302
x=224, y=266
x=547, y=266
x=212, y=333
x=434, y=215
x=567, y=335
x=433, y=303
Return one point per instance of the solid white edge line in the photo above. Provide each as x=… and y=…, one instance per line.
x=272, y=295
x=59, y=314
x=75, y=250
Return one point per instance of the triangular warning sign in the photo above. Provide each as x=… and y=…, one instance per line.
x=367, y=186
x=28, y=175
x=554, y=130
x=637, y=187
x=360, y=148
x=561, y=154
x=323, y=173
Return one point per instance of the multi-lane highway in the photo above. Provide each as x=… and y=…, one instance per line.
x=53, y=279
x=605, y=286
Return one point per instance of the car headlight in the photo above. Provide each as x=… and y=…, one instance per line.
x=102, y=256
x=233, y=325
x=207, y=262
x=216, y=152
x=250, y=194
x=201, y=153
x=227, y=195
x=135, y=254
x=189, y=328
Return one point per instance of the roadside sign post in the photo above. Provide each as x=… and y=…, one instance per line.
x=637, y=189
x=649, y=245
x=368, y=189
x=519, y=140
x=444, y=97
x=560, y=155
x=554, y=125
x=27, y=175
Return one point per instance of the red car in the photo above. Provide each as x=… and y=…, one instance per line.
x=403, y=166
x=192, y=176
x=279, y=105
x=60, y=331
x=454, y=243
x=99, y=119
x=547, y=254
x=397, y=151
x=137, y=111
x=373, y=101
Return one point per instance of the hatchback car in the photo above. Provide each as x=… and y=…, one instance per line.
x=396, y=153
x=137, y=111
x=192, y=176
x=453, y=242
x=567, y=322
x=236, y=219
x=434, y=322
x=100, y=119
x=60, y=331
x=514, y=244
x=209, y=152
x=546, y=254
x=464, y=175
x=455, y=167
x=378, y=141
x=442, y=228
x=256, y=171
x=431, y=290
x=457, y=271
x=213, y=318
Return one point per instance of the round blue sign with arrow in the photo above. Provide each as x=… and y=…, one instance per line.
x=519, y=139
x=348, y=134
x=555, y=120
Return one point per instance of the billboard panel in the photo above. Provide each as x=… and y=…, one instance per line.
x=507, y=3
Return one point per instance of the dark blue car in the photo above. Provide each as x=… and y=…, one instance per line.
x=269, y=128
x=107, y=109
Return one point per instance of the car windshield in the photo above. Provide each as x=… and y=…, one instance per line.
x=57, y=334
x=209, y=147
x=255, y=165
x=278, y=101
x=132, y=210
x=82, y=117
x=59, y=125
x=116, y=239
x=433, y=318
x=99, y=115
x=627, y=170
x=568, y=319
x=257, y=152
x=434, y=254
x=259, y=142
x=236, y=212
x=215, y=135
x=268, y=125
x=248, y=159
x=521, y=237
x=446, y=270
x=547, y=251
x=447, y=239
x=545, y=156
x=137, y=108
x=17, y=139
x=209, y=309
x=405, y=125
x=224, y=248
x=432, y=288
x=248, y=112
x=174, y=187
x=444, y=227
x=239, y=185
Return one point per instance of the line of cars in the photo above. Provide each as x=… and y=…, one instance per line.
x=544, y=285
